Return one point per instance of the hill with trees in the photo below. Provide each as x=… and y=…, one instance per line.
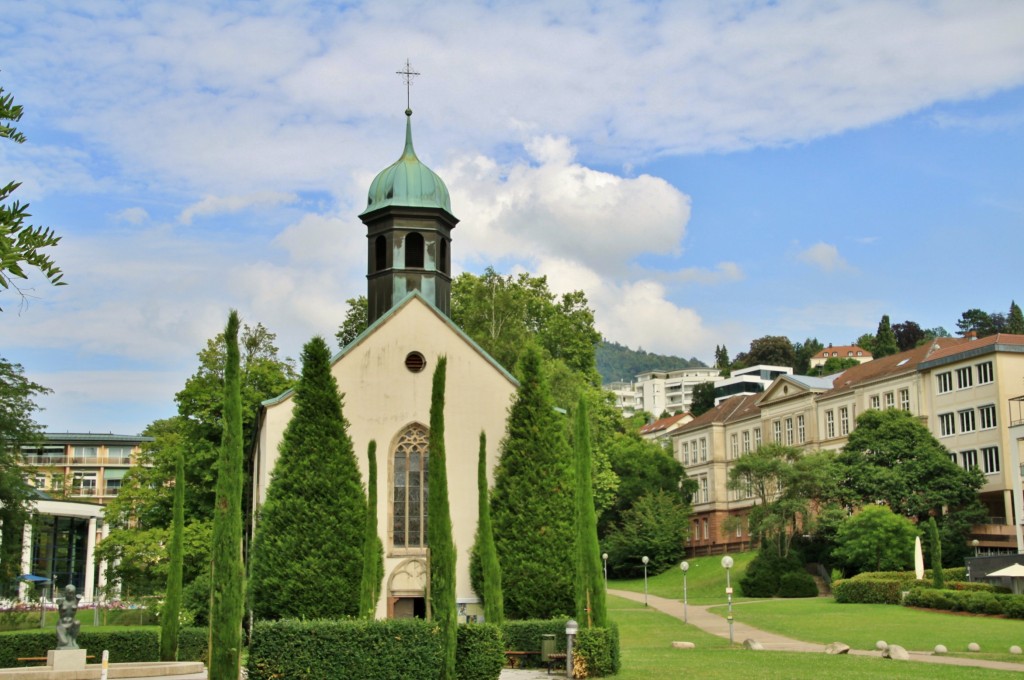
x=618, y=362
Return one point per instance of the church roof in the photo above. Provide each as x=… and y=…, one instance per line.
x=404, y=302
x=407, y=182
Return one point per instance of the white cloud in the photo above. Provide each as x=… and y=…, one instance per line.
x=218, y=205
x=132, y=215
x=724, y=272
x=825, y=257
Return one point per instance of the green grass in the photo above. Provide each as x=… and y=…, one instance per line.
x=646, y=637
x=705, y=581
x=822, y=620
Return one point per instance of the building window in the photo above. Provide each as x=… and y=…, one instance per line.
x=380, y=254
x=990, y=459
x=830, y=424
x=969, y=459
x=987, y=416
x=947, y=424
x=86, y=454
x=875, y=403
x=890, y=401
x=964, y=378
x=705, y=523
x=111, y=487
x=746, y=441
x=757, y=437
x=801, y=431
x=734, y=446
x=703, y=450
x=945, y=382
x=704, y=491
x=953, y=457
x=967, y=420
x=414, y=250
x=789, y=431
x=84, y=484
x=905, y=400
x=739, y=528
x=409, y=509
x=844, y=421
x=443, y=264
x=686, y=453
x=985, y=374
x=777, y=431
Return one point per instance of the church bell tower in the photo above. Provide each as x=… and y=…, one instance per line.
x=409, y=223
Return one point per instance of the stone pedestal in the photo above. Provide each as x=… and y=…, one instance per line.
x=66, y=659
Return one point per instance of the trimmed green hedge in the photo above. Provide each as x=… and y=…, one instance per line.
x=868, y=591
x=124, y=645
x=908, y=577
x=973, y=601
x=599, y=649
x=371, y=650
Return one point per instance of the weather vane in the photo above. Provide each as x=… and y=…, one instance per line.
x=407, y=75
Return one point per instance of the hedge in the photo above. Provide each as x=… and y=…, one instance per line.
x=797, y=584
x=125, y=646
x=385, y=649
x=910, y=578
x=868, y=591
x=596, y=649
x=973, y=601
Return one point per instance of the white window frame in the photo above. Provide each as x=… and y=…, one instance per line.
x=789, y=432
x=987, y=419
x=844, y=421
x=969, y=459
x=801, y=429
x=967, y=421
x=947, y=424
x=944, y=382
x=830, y=424
x=905, y=399
x=990, y=459
x=964, y=378
x=777, y=431
x=985, y=373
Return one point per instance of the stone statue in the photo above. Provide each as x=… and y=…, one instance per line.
x=67, y=623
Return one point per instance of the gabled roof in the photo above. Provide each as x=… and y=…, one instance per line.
x=663, y=424
x=967, y=348
x=888, y=367
x=803, y=383
x=731, y=410
x=407, y=300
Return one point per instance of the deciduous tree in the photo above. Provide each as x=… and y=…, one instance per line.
x=657, y=526
x=307, y=559
x=22, y=246
x=774, y=350
x=876, y=539
x=908, y=335
x=356, y=318
x=703, y=398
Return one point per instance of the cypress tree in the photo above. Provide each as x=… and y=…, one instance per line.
x=885, y=339
x=373, y=569
x=1015, y=319
x=589, y=582
x=228, y=577
x=175, y=552
x=307, y=552
x=439, y=529
x=938, y=578
x=532, y=508
x=494, y=608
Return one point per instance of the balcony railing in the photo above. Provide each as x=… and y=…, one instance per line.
x=1016, y=411
x=52, y=461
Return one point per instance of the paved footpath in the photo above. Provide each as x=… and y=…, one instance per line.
x=717, y=625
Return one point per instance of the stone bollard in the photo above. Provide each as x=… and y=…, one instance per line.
x=751, y=643
x=896, y=653
x=881, y=645
x=974, y=647
x=940, y=650
x=837, y=648
x=683, y=645
x=1015, y=649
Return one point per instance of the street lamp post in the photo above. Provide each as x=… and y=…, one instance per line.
x=685, y=566
x=727, y=565
x=645, y=561
x=571, y=628
x=975, y=543
x=604, y=557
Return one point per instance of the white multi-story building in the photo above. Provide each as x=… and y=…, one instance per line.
x=749, y=380
x=659, y=391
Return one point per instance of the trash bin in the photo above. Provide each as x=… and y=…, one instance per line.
x=547, y=646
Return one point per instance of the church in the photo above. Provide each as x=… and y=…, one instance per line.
x=385, y=377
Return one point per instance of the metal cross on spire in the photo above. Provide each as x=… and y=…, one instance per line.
x=407, y=75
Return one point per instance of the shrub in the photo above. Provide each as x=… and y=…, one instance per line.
x=599, y=650
x=374, y=650
x=481, y=652
x=797, y=584
x=868, y=591
x=1013, y=606
x=124, y=645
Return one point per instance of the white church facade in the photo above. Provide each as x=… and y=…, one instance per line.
x=385, y=378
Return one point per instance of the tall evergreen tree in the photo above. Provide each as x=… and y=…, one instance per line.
x=1015, y=319
x=228, y=576
x=439, y=529
x=175, y=550
x=494, y=606
x=307, y=552
x=373, y=569
x=532, y=508
x=590, y=602
x=885, y=339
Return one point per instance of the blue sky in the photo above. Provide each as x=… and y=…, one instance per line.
x=708, y=172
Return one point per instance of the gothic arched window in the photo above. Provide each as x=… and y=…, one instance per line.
x=409, y=489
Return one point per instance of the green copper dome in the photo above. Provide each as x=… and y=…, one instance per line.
x=407, y=182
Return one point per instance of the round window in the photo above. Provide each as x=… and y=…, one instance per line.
x=415, y=362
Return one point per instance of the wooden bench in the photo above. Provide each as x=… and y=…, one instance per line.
x=44, y=659
x=512, y=658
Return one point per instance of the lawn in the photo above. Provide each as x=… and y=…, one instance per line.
x=705, y=581
x=822, y=620
x=646, y=637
